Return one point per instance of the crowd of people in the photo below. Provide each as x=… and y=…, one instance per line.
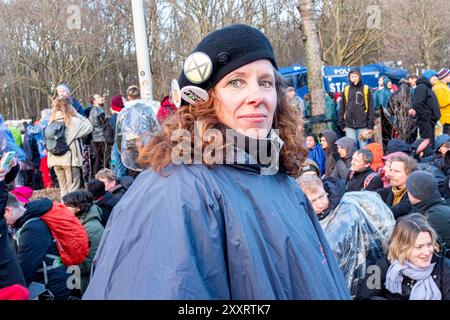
x=227, y=193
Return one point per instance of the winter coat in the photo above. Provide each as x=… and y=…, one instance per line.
x=442, y=92
x=381, y=97
x=318, y=156
x=79, y=107
x=440, y=274
x=335, y=188
x=352, y=113
x=343, y=166
x=79, y=127
x=438, y=215
x=402, y=208
x=35, y=245
x=10, y=272
x=356, y=182
x=377, y=152
x=229, y=233
x=425, y=102
x=16, y=134
x=113, y=120
x=330, y=152
x=96, y=117
x=106, y=203
x=91, y=222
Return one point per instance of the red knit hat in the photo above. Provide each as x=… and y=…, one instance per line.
x=116, y=103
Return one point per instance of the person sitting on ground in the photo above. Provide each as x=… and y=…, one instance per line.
x=345, y=147
x=377, y=152
x=384, y=173
x=327, y=140
x=10, y=271
x=413, y=270
x=37, y=253
x=105, y=200
x=117, y=187
x=424, y=195
x=315, y=151
x=310, y=167
x=81, y=203
x=361, y=169
x=357, y=225
x=395, y=196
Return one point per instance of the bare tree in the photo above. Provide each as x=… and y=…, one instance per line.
x=313, y=54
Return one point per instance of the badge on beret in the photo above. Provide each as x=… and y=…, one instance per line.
x=194, y=95
x=175, y=94
x=198, y=67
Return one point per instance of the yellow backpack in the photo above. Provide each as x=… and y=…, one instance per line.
x=366, y=97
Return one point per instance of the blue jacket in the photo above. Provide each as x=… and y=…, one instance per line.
x=318, y=155
x=220, y=233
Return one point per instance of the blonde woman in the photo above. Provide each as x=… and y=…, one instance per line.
x=414, y=269
x=64, y=155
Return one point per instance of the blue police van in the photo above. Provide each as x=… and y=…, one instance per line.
x=335, y=78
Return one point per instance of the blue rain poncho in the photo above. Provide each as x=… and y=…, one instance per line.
x=219, y=233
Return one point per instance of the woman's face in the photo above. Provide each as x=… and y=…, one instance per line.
x=310, y=143
x=246, y=99
x=422, y=252
x=323, y=142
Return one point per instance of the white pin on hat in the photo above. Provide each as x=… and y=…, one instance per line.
x=198, y=67
x=194, y=95
x=175, y=94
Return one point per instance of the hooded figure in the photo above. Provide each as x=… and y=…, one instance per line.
x=330, y=151
x=356, y=112
x=381, y=97
x=377, y=152
x=343, y=165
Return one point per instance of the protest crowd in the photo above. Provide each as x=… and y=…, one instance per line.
x=229, y=191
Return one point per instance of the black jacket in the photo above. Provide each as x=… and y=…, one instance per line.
x=34, y=243
x=352, y=114
x=112, y=197
x=356, y=182
x=10, y=272
x=440, y=274
x=335, y=188
x=438, y=214
x=107, y=203
x=425, y=102
x=401, y=209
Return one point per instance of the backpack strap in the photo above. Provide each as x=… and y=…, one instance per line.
x=369, y=178
x=366, y=98
x=346, y=90
x=19, y=231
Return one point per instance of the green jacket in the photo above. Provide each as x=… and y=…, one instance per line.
x=16, y=134
x=94, y=229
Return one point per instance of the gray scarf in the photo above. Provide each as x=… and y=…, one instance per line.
x=424, y=289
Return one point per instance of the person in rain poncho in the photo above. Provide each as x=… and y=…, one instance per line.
x=235, y=226
x=357, y=225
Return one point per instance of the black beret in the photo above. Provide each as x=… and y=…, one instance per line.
x=228, y=49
